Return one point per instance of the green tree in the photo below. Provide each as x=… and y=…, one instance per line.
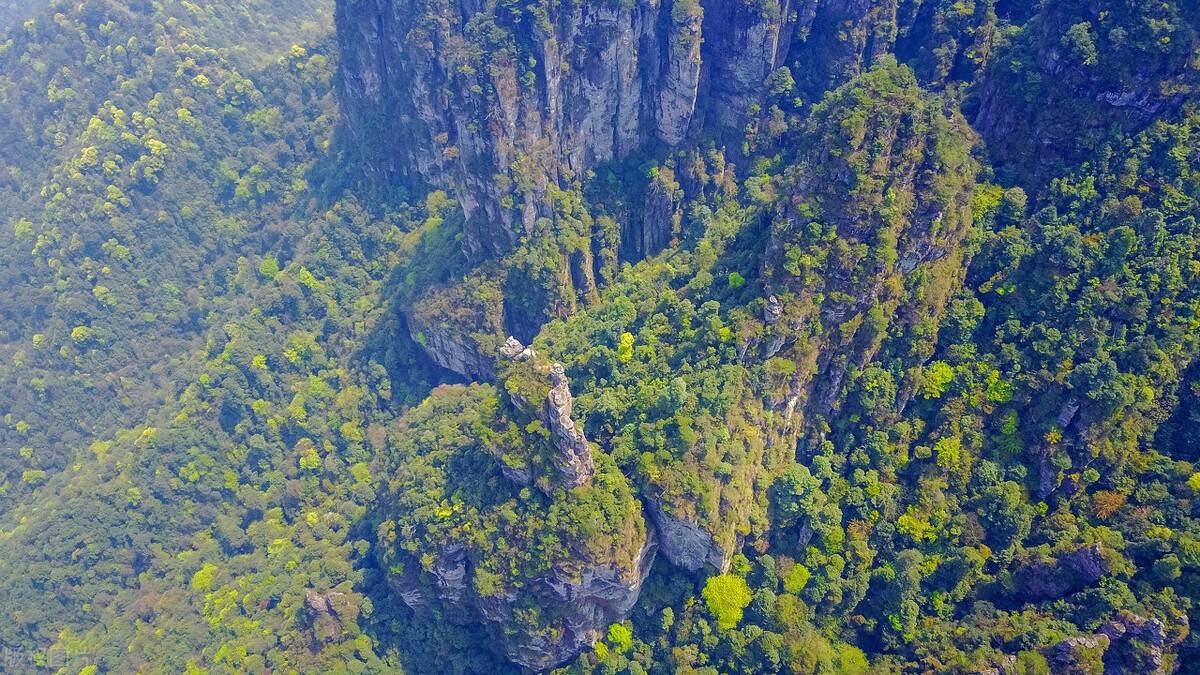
x=726, y=596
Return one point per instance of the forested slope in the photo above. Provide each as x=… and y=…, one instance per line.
x=128, y=133
x=169, y=269
x=682, y=336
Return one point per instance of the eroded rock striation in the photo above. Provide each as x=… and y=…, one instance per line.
x=500, y=103
x=470, y=96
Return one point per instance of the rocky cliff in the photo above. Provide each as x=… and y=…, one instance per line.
x=578, y=135
x=570, y=452
x=500, y=102
x=512, y=108
x=1068, y=573
x=877, y=208
x=459, y=326
x=539, y=392
x=1124, y=645
x=557, y=566
x=1096, y=70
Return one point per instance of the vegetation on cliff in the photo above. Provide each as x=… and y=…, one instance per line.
x=862, y=336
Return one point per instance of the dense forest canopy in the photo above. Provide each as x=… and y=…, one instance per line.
x=679, y=336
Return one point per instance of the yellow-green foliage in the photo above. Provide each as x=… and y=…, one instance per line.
x=726, y=596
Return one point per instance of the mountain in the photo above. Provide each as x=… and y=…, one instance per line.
x=707, y=336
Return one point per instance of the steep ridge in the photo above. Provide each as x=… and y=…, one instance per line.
x=557, y=565
x=800, y=210
x=511, y=110
x=887, y=169
x=812, y=388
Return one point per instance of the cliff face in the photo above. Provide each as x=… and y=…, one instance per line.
x=1061, y=576
x=459, y=326
x=510, y=108
x=471, y=96
x=686, y=543
x=1096, y=67
x=588, y=600
x=500, y=104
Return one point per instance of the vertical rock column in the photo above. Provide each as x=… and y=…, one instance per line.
x=681, y=72
x=571, y=454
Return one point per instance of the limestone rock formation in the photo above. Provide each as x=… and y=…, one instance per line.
x=570, y=452
x=772, y=311
x=513, y=350
x=1126, y=644
x=686, y=544
x=505, y=106
x=454, y=95
x=541, y=391
x=659, y=220
x=459, y=325
x=1074, y=571
x=590, y=83
x=452, y=350
x=587, y=602
x=544, y=585
x=1079, y=654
